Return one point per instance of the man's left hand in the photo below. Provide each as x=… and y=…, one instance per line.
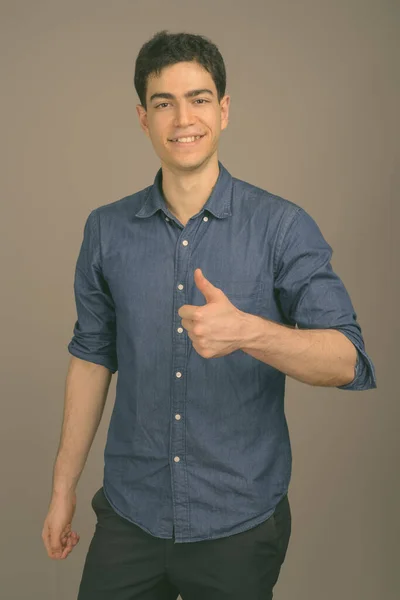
x=215, y=328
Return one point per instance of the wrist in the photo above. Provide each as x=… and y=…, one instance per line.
x=253, y=329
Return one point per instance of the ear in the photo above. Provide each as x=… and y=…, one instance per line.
x=143, y=121
x=224, y=105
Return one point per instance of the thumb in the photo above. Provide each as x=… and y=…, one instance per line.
x=209, y=291
x=55, y=541
x=57, y=536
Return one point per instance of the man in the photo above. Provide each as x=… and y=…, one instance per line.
x=204, y=292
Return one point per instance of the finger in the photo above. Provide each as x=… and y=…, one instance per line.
x=69, y=547
x=65, y=553
x=65, y=550
x=66, y=536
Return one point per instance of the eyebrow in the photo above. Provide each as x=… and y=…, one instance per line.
x=189, y=94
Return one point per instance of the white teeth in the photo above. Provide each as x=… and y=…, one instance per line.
x=188, y=139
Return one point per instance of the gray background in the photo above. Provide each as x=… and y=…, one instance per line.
x=314, y=117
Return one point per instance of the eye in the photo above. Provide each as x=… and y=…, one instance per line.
x=202, y=100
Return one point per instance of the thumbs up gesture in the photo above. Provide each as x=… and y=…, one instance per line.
x=215, y=328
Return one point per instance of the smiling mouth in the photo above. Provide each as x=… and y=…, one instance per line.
x=188, y=141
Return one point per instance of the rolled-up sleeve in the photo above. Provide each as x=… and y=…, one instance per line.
x=311, y=294
x=94, y=334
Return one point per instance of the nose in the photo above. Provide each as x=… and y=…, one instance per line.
x=183, y=116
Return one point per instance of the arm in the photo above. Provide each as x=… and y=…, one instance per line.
x=317, y=357
x=85, y=395
x=323, y=349
x=86, y=392
x=94, y=359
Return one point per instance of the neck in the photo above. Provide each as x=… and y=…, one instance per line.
x=185, y=193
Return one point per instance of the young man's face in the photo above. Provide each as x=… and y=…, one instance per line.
x=177, y=116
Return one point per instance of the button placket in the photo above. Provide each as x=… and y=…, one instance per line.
x=178, y=444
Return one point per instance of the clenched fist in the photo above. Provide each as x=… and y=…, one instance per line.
x=57, y=536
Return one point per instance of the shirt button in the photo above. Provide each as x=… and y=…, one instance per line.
x=205, y=218
x=178, y=417
x=177, y=459
x=178, y=374
x=185, y=243
x=180, y=287
x=180, y=329
x=167, y=218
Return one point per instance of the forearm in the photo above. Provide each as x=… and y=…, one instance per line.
x=320, y=357
x=85, y=396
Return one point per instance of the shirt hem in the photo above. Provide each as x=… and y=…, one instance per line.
x=123, y=515
x=246, y=527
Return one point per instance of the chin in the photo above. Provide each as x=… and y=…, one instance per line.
x=192, y=162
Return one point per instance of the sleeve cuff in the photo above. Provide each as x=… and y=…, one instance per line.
x=94, y=358
x=364, y=377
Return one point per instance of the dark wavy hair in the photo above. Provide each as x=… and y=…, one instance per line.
x=165, y=49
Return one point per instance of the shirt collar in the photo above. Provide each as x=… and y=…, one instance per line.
x=219, y=202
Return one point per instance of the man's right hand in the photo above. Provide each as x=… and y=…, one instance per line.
x=57, y=536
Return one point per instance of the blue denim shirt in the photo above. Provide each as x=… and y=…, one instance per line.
x=197, y=448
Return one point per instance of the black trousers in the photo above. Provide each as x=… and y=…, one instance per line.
x=126, y=563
